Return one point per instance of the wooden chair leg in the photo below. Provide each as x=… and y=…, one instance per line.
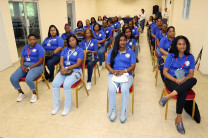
x=77, y=96
x=43, y=77
x=36, y=86
x=162, y=94
x=95, y=75
x=107, y=103
x=166, y=111
x=133, y=101
x=85, y=88
x=156, y=77
x=98, y=70
x=193, y=109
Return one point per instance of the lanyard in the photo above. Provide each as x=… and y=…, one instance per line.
x=28, y=52
x=87, y=45
x=183, y=64
x=68, y=55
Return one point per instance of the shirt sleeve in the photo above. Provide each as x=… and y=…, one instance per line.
x=95, y=45
x=44, y=42
x=134, y=42
x=133, y=57
x=23, y=51
x=82, y=45
x=62, y=36
x=41, y=52
x=81, y=54
x=103, y=35
x=75, y=30
x=60, y=42
x=110, y=32
x=63, y=52
x=157, y=35
x=168, y=61
x=152, y=31
x=137, y=32
x=161, y=43
x=192, y=62
x=109, y=56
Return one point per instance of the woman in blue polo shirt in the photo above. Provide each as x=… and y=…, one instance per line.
x=111, y=27
x=67, y=32
x=100, y=36
x=71, y=59
x=31, y=66
x=88, y=25
x=131, y=43
x=120, y=60
x=162, y=33
x=90, y=44
x=92, y=21
x=164, y=46
x=179, y=71
x=115, y=26
x=52, y=43
x=108, y=34
x=79, y=32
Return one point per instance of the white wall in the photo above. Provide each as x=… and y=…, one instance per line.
x=195, y=28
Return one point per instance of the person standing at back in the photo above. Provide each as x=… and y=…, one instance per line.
x=165, y=15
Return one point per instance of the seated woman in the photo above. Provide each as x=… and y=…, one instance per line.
x=111, y=27
x=108, y=34
x=179, y=71
x=90, y=44
x=120, y=60
x=67, y=32
x=52, y=43
x=130, y=40
x=162, y=33
x=88, y=25
x=137, y=20
x=116, y=26
x=164, y=47
x=79, y=32
x=71, y=59
x=100, y=36
x=92, y=21
x=135, y=24
x=100, y=21
x=31, y=66
x=149, y=22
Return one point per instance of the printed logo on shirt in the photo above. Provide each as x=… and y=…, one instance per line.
x=54, y=39
x=130, y=43
x=100, y=35
x=133, y=30
x=107, y=31
x=91, y=44
x=75, y=53
x=187, y=63
x=127, y=55
x=34, y=50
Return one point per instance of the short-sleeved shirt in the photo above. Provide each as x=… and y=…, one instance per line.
x=172, y=64
x=64, y=35
x=165, y=44
x=85, y=27
x=107, y=31
x=154, y=31
x=50, y=44
x=72, y=56
x=77, y=30
x=100, y=36
x=153, y=24
x=134, y=31
x=92, y=45
x=122, y=60
x=34, y=53
x=115, y=25
x=160, y=35
x=131, y=42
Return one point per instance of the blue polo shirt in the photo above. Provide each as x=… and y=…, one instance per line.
x=77, y=30
x=92, y=45
x=123, y=60
x=131, y=42
x=134, y=31
x=107, y=31
x=112, y=26
x=85, y=27
x=73, y=55
x=64, y=35
x=153, y=25
x=115, y=25
x=165, y=44
x=172, y=64
x=154, y=31
x=50, y=44
x=160, y=35
x=100, y=36
x=34, y=53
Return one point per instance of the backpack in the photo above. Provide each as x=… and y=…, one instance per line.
x=188, y=108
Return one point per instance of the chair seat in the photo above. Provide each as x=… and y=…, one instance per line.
x=74, y=85
x=156, y=54
x=130, y=89
x=190, y=94
x=108, y=45
x=93, y=66
x=23, y=78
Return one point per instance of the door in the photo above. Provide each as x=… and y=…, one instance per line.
x=71, y=15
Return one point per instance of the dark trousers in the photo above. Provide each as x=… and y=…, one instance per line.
x=50, y=64
x=142, y=24
x=181, y=90
x=160, y=62
x=90, y=69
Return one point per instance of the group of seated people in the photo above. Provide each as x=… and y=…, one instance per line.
x=175, y=62
x=68, y=50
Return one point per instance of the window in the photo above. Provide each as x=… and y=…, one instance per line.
x=11, y=9
x=186, y=9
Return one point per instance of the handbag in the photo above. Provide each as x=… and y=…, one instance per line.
x=49, y=54
x=68, y=73
x=90, y=57
x=188, y=106
x=120, y=79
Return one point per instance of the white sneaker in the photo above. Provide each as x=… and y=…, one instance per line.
x=65, y=112
x=21, y=96
x=100, y=67
x=112, y=116
x=33, y=98
x=55, y=111
x=88, y=85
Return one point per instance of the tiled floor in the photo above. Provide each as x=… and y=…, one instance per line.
x=26, y=120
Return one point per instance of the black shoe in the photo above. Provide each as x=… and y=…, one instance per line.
x=51, y=79
x=46, y=77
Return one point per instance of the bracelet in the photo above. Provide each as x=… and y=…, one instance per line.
x=126, y=70
x=28, y=68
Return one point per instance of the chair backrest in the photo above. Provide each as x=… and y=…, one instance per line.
x=44, y=64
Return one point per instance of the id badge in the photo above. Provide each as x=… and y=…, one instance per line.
x=48, y=44
x=179, y=73
x=68, y=63
x=28, y=59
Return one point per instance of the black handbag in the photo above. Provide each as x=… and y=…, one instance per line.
x=69, y=72
x=188, y=108
x=90, y=57
x=49, y=54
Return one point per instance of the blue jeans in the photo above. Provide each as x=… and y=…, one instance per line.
x=124, y=93
x=160, y=61
x=100, y=55
x=90, y=69
x=50, y=64
x=31, y=75
x=67, y=82
x=142, y=24
x=107, y=43
x=137, y=49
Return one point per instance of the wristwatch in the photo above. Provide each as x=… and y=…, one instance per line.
x=28, y=68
